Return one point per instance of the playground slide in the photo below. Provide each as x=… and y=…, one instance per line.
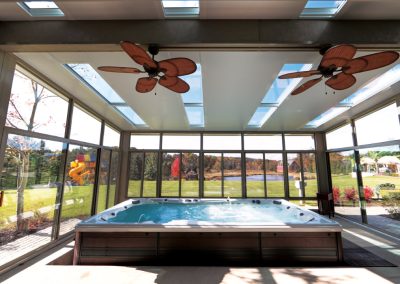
x=77, y=173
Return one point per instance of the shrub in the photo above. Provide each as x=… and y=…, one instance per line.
x=336, y=194
x=368, y=193
x=350, y=194
x=385, y=186
x=392, y=202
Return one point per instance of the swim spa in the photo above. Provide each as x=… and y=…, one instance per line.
x=243, y=229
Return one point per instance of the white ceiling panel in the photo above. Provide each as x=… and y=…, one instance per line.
x=234, y=84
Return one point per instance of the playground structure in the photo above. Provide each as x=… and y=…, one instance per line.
x=82, y=168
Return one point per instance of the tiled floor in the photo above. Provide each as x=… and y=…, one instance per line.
x=380, y=244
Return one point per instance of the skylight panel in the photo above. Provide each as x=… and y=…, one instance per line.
x=89, y=76
x=181, y=8
x=195, y=116
x=41, y=4
x=374, y=87
x=276, y=94
x=280, y=89
x=261, y=116
x=129, y=113
x=41, y=8
x=93, y=79
x=193, y=99
x=322, y=8
x=326, y=116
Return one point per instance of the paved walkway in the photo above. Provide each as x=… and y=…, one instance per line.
x=21, y=246
x=376, y=218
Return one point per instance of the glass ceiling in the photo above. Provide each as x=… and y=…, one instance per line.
x=193, y=100
x=372, y=88
x=88, y=75
x=41, y=4
x=322, y=8
x=276, y=94
x=41, y=8
x=181, y=8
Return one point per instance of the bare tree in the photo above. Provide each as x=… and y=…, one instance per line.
x=20, y=148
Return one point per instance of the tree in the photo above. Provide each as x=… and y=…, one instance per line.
x=150, y=169
x=21, y=114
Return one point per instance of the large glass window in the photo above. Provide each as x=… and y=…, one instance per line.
x=31, y=177
x=190, y=175
x=143, y=174
x=344, y=184
x=379, y=126
x=79, y=186
x=264, y=175
x=145, y=141
x=274, y=175
x=135, y=174
x=85, y=127
x=255, y=175
x=232, y=165
x=113, y=178
x=180, y=175
x=170, y=184
x=340, y=137
x=33, y=107
x=222, y=142
x=150, y=173
x=380, y=168
x=181, y=142
x=299, y=142
x=302, y=175
x=262, y=142
x=103, y=180
x=212, y=175
x=111, y=137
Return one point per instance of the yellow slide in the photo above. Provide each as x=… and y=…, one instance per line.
x=77, y=172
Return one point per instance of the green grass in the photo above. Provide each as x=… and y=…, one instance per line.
x=82, y=195
x=212, y=188
x=346, y=181
x=76, y=203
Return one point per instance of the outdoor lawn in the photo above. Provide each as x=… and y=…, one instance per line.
x=77, y=199
x=40, y=201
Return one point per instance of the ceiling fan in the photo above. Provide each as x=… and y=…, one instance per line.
x=338, y=66
x=164, y=72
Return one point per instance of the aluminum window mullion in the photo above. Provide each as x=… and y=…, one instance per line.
x=222, y=175
x=109, y=179
x=142, y=174
x=265, y=176
x=180, y=175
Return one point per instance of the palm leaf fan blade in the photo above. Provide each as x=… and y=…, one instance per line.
x=341, y=81
x=306, y=86
x=138, y=54
x=145, y=84
x=300, y=74
x=119, y=69
x=174, y=84
x=338, y=55
x=379, y=60
x=184, y=66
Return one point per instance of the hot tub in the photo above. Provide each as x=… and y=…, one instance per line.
x=140, y=230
